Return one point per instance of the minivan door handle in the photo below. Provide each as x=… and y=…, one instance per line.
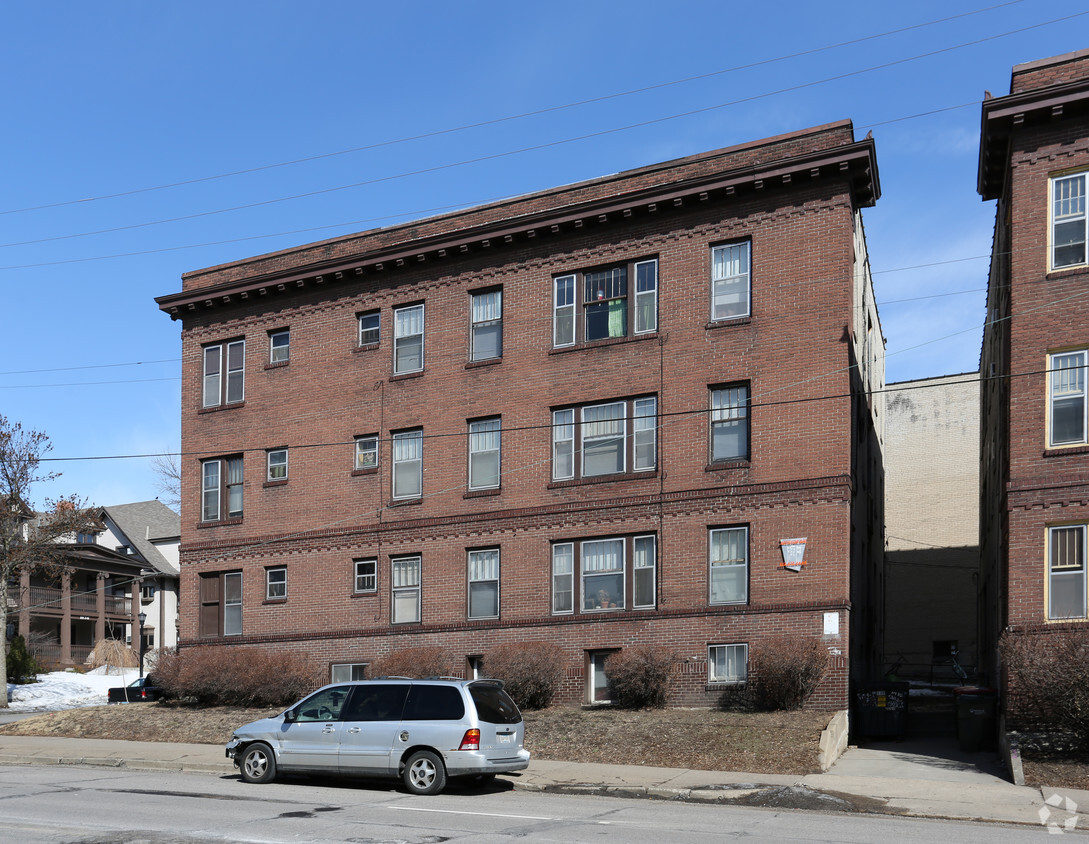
x=355, y=730
x=329, y=728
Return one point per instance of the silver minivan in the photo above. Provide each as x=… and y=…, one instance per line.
x=423, y=731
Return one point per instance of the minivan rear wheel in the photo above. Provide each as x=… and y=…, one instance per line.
x=424, y=773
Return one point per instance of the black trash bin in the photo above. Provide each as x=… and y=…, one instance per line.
x=881, y=710
x=977, y=724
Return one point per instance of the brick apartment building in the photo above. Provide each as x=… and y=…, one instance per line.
x=597, y=415
x=1034, y=159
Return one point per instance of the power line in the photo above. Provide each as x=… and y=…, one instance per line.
x=541, y=146
x=507, y=118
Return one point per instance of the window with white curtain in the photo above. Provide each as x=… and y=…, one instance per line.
x=730, y=423
x=613, y=573
x=1069, y=221
x=1067, y=398
x=612, y=306
x=408, y=464
x=484, y=450
x=484, y=583
x=729, y=553
x=727, y=663
x=1066, y=583
x=605, y=439
x=405, y=579
x=486, y=330
x=408, y=339
x=730, y=291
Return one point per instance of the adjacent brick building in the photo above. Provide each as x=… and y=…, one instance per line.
x=598, y=415
x=1034, y=160
x=931, y=525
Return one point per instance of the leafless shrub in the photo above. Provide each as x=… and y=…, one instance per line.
x=530, y=671
x=786, y=671
x=639, y=677
x=1048, y=673
x=228, y=676
x=413, y=662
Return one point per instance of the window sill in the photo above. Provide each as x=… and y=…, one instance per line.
x=611, y=341
x=604, y=479
x=366, y=347
x=219, y=523
x=280, y=364
x=723, y=465
x=729, y=322
x=356, y=473
x=1067, y=272
x=722, y=685
x=481, y=493
x=405, y=376
x=217, y=408
x=476, y=364
x=274, y=601
x=267, y=484
x=1063, y=450
x=404, y=502
x=369, y=594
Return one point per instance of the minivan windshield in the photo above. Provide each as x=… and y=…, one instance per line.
x=493, y=705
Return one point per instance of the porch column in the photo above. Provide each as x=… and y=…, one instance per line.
x=134, y=620
x=66, y=618
x=160, y=629
x=100, y=607
x=24, y=602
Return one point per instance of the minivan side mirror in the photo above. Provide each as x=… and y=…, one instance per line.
x=290, y=715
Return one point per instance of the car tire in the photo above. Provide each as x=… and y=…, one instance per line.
x=424, y=773
x=258, y=764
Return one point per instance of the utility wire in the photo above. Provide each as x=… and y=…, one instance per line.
x=542, y=146
x=507, y=118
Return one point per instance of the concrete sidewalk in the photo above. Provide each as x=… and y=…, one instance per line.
x=891, y=779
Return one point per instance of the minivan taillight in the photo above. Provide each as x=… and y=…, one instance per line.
x=471, y=740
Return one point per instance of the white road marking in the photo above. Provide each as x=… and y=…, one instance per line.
x=479, y=814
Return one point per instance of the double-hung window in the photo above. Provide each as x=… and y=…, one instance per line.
x=730, y=423
x=484, y=448
x=1067, y=398
x=221, y=489
x=1069, y=221
x=729, y=558
x=727, y=663
x=730, y=290
x=408, y=464
x=224, y=373
x=366, y=452
x=605, y=439
x=279, y=346
x=408, y=339
x=406, y=589
x=486, y=340
x=603, y=304
x=1066, y=571
x=366, y=575
x=276, y=584
x=484, y=583
x=221, y=604
x=369, y=324
x=277, y=464
x=613, y=573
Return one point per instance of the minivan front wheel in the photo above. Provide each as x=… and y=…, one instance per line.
x=258, y=764
x=424, y=773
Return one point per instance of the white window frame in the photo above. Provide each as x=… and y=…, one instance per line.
x=734, y=268
x=485, y=315
x=365, y=581
x=729, y=567
x=1067, y=575
x=276, y=465
x=408, y=325
x=590, y=591
x=1068, y=207
x=730, y=407
x=276, y=582
x=405, y=588
x=232, y=607
x=644, y=567
x=366, y=444
x=570, y=294
x=1067, y=383
x=563, y=578
x=224, y=373
x=347, y=672
x=407, y=449
x=573, y=435
x=727, y=651
x=592, y=680
x=483, y=573
x=485, y=448
x=279, y=346
x=365, y=328
x=221, y=476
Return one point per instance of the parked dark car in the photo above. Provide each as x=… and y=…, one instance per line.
x=138, y=690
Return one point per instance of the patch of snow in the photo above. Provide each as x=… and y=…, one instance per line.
x=67, y=689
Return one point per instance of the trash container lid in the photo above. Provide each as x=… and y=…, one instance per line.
x=974, y=690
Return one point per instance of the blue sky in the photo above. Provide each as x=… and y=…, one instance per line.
x=119, y=97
